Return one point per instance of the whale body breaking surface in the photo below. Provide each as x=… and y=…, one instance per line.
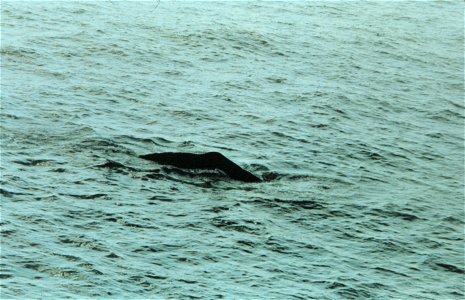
x=210, y=160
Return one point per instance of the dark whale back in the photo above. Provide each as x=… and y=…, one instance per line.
x=210, y=160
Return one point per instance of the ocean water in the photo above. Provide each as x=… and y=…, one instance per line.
x=352, y=112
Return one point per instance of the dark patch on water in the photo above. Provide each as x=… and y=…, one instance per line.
x=304, y=204
x=35, y=162
x=156, y=277
x=112, y=165
x=112, y=255
x=234, y=225
x=7, y=193
x=218, y=209
x=390, y=271
x=86, y=197
x=394, y=214
x=451, y=268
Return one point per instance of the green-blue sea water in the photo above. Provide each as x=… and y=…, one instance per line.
x=352, y=112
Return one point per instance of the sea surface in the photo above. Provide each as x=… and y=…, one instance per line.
x=352, y=113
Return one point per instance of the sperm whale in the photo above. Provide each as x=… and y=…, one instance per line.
x=210, y=160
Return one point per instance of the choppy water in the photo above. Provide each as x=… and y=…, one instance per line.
x=352, y=111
